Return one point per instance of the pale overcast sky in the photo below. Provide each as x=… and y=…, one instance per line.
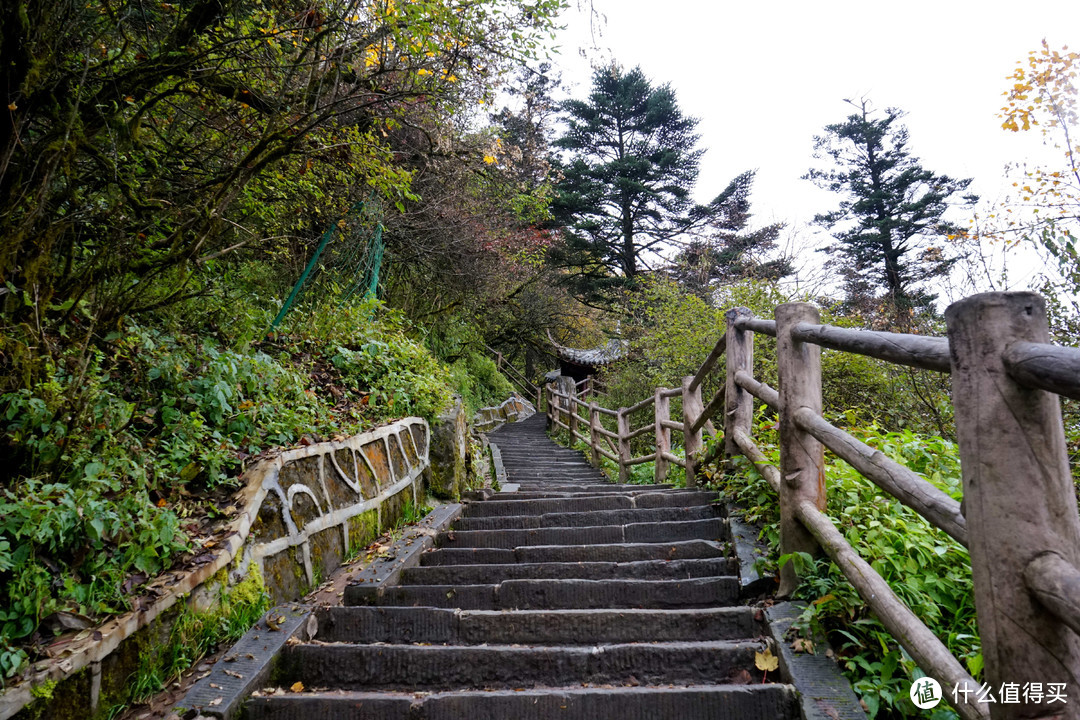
x=765, y=77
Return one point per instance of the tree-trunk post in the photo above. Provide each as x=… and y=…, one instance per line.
x=550, y=413
x=802, y=457
x=1019, y=497
x=594, y=433
x=738, y=403
x=623, y=427
x=572, y=406
x=662, y=407
x=692, y=408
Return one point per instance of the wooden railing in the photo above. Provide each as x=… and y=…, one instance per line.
x=1019, y=517
x=528, y=388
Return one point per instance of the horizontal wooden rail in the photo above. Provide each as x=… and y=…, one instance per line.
x=640, y=406
x=710, y=362
x=919, y=351
x=610, y=456
x=1056, y=584
x=903, y=484
x=671, y=392
x=754, y=454
x=675, y=459
x=758, y=389
x=672, y=425
x=607, y=433
x=640, y=460
x=643, y=430
x=753, y=324
x=923, y=645
x=1045, y=367
x=560, y=423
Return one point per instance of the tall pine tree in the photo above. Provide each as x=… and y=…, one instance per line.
x=890, y=214
x=629, y=166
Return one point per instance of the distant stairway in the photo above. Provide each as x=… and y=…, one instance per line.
x=569, y=598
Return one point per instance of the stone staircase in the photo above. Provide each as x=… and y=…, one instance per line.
x=569, y=597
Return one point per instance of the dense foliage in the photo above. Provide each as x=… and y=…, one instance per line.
x=103, y=506
x=929, y=571
x=166, y=171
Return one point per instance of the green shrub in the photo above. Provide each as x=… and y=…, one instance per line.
x=478, y=381
x=926, y=568
x=104, y=454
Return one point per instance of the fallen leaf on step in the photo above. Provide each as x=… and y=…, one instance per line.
x=296, y=687
x=766, y=661
x=803, y=645
x=215, y=702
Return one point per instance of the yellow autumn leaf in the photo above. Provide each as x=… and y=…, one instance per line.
x=766, y=661
x=489, y=159
x=296, y=687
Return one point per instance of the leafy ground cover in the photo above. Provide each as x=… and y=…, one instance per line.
x=126, y=457
x=926, y=568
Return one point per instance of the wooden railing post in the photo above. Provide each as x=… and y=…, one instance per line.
x=692, y=407
x=550, y=414
x=663, y=435
x=738, y=403
x=1019, y=497
x=802, y=457
x=622, y=421
x=594, y=433
x=572, y=405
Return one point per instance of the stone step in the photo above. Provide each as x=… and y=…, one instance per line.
x=587, y=519
x=640, y=570
x=584, y=503
x=558, y=594
x=345, y=666
x=544, y=495
x=621, y=552
x=649, y=532
x=591, y=488
x=695, y=702
x=403, y=625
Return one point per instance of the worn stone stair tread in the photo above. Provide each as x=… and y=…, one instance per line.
x=648, y=532
x=442, y=667
x=399, y=625
x=607, y=501
x=542, y=594
x=611, y=552
x=589, y=518
x=680, y=702
x=584, y=570
x=592, y=488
